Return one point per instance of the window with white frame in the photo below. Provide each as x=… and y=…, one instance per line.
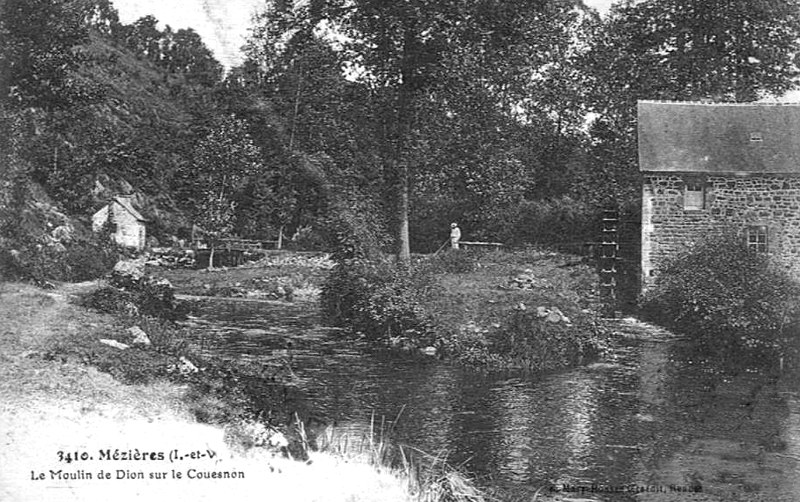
x=694, y=195
x=757, y=238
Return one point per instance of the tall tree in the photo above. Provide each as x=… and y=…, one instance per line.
x=220, y=166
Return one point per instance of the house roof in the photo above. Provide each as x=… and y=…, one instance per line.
x=719, y=137
x=126, y=203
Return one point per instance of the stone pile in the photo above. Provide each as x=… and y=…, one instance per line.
x=171, y=258
x=321, y=260
x=552, y=314
x=527, y=280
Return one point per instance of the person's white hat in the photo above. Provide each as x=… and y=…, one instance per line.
x=454, y=224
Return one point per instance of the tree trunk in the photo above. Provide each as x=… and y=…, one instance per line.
x=280, y=237
x=404, y=126
x=211, y=258
x=403, y=244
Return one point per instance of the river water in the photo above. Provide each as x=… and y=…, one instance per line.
x=651, y=414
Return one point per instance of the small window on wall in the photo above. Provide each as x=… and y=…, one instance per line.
x=757, y=238
x=694, y=196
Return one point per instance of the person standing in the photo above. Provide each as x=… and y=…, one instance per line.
x=455, y=235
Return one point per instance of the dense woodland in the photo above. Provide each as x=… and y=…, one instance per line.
x=362, y=119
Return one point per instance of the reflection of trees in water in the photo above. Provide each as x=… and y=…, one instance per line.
x=432, y=395
x=721, y=397
x=546, y=431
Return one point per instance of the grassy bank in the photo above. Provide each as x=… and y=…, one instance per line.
x=534, y=310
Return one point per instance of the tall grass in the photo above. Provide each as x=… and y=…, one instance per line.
x=429, y=478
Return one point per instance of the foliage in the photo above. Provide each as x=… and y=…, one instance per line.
x=727, y=51
x=533, y=343
x=221, y=163
x=109, y=300
x=38, y=57
x=354, y=230
x=378, y=299
x=181, y=51
x=224, y=158
x=148, y=296
x=79, y=260
x=724, y=295
x=553, y=221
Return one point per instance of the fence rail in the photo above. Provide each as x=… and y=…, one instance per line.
x=233, y=244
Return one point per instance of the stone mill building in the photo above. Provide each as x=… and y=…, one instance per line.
x=708, y=166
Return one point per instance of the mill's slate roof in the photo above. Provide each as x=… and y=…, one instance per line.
x=677, y=136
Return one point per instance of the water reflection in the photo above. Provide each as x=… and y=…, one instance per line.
x=653, y=413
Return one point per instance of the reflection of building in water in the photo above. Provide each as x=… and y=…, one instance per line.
x=651, y=375
x=653, y=363
x=790, y=435
x=539, y=435
x=581, y=408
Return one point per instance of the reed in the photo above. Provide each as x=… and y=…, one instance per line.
x=428, y=478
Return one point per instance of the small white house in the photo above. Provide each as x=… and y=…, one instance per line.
x=127, y=225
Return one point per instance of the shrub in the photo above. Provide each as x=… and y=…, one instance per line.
x=110, y=300
x=142, y=296
x=80, y=260
x=378, y=299
x=366, y=291
x=307, y=238
x=87, y=260
x=530, y=342
x=354, y=231
x=724, y=295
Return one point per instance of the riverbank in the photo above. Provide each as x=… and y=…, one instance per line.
x=68, y=425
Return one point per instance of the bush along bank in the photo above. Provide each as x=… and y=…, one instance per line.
x=532, y=310
x=731, y=301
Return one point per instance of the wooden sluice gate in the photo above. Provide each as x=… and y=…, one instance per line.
x=609, y=254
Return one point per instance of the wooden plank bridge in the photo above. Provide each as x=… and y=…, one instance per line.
x=229, y=252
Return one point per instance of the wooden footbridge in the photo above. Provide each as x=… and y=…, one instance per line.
x=229, y=252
